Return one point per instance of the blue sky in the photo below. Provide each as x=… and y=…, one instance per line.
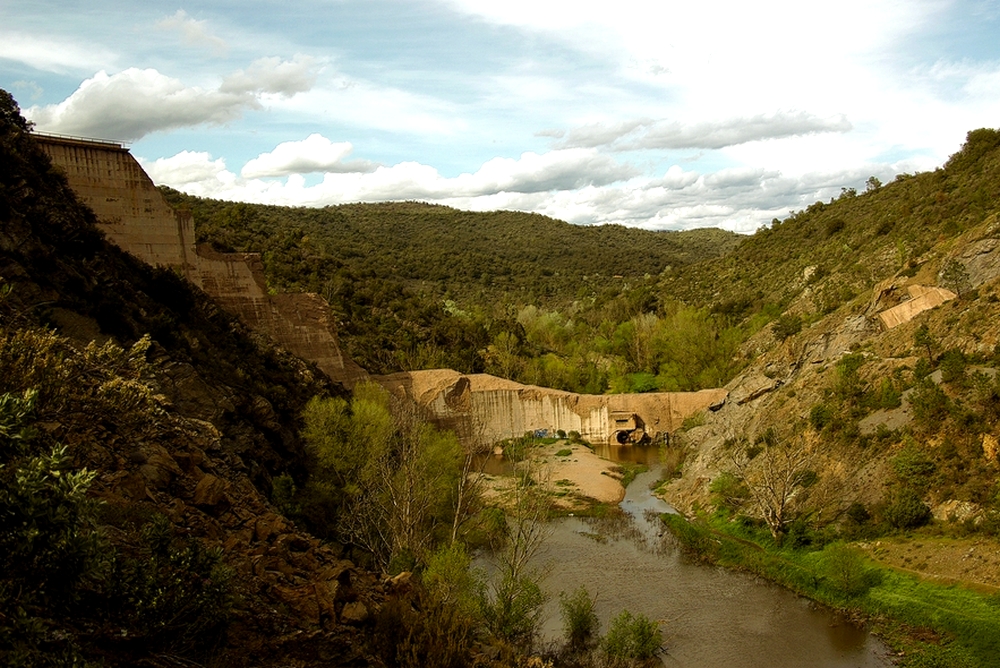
x=663, y=115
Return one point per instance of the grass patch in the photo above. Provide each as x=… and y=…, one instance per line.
x=629, y=471
x=565, y=452
x=933, y=624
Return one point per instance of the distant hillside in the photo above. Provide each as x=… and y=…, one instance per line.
x=416, y=286
x=846, y=425
x=462, y=254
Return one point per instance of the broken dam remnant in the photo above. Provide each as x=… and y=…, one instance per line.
x=485, y=409
x=479, y=408
x=137, y=218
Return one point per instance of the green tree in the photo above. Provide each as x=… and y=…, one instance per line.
x=955, y=277
x=396, y=475
x=922, y=338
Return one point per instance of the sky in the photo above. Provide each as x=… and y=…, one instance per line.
x=662, y=115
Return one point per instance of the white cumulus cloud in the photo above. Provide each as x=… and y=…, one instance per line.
x=274, y=75
x=136, y=102
x=314, y=154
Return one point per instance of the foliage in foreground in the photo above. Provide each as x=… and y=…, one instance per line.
x=65, y=587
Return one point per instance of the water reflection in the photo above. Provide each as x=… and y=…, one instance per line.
x=710, y=616
x=636, y=454
x=493, y=464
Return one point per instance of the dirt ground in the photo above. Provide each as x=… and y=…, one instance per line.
x=970, y=560
x=576, y=481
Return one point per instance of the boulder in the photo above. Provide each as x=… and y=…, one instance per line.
x=211, y=492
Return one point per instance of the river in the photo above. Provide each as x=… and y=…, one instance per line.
x=709, y=616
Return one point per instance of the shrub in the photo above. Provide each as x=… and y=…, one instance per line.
x=907, y=511
x=912, y=467
x=787, y=325
x=930, y=405
x=514, y=611
x=857, y=513
x=580, y=623
x=922, y=369
x=845, y=570
x=565, y=452
x=819, y=416
x=889, y=395
x=168, y=591
x=728, y=491
x=438, y=636
x=632, y=638
x=953, y=364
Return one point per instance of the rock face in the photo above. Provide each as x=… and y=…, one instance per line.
x=136, y=217
x=484, y=409
x=922, y=298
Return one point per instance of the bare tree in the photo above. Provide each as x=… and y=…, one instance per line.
x=773, y=472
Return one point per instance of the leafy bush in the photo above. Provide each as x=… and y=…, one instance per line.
x=912, y=467
x=930, y=406
x=513, y=613
x=953, y=364
x=728, y=491
x=907, y=511
x=167, y=591
x=787, y=325
x=820, y=416
x=418, y=631
x=580, y=623
x=888, y=396
x=845, y=570
x=632, y=637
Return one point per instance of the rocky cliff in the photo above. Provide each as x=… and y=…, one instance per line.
x=136, y=217
x=182, y=413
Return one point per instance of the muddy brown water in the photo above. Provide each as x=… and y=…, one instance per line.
x=710, y=617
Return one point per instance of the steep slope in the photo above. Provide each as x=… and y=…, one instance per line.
x=865, y=397
x=184, y=418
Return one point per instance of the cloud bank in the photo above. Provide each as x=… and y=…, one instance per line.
x=579, y=185
x=137, y=102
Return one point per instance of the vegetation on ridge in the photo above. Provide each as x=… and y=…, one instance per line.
x=416, y=286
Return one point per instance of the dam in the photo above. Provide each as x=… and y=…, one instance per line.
x=480, y=408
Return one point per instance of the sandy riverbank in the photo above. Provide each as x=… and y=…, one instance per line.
x=575, y=481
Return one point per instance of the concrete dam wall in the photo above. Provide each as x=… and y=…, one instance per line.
x=136, y=217
x=479, y=408
x=485, y=409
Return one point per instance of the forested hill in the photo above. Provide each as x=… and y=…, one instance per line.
x=833, y=251
x=459, y=254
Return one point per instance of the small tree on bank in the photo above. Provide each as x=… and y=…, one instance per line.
x=773, y=476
